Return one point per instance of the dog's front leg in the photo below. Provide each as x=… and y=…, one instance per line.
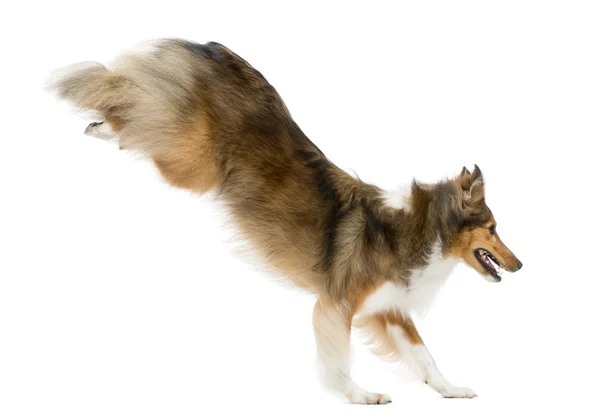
x=332, y=332
x=413, y=350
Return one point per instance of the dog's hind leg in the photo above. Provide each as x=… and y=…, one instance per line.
x=102, y=130
x=332, y=332
x=394, y=336
x=107, y=129
x=93, y=87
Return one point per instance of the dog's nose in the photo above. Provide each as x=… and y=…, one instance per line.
x=519, y=264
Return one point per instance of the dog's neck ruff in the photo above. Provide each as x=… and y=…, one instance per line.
x=418, y=294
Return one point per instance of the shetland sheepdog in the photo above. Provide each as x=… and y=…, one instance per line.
x=211, y=122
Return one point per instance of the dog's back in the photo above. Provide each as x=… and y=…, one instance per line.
x=210, y=121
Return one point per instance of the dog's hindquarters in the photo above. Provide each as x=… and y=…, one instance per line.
x=210, y=120
x=149, y=100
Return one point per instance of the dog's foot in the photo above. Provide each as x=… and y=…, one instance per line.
x=451, y=391
x=100, y=130
x=358, y=396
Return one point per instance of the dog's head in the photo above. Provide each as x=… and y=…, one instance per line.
x=471, y=232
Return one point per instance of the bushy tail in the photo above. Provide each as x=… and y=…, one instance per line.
x=92, y=86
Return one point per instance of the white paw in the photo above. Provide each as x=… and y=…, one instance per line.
x=100, y=130
x=451, y=391
x=364, y=397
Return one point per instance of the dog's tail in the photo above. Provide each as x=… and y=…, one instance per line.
x=92, y=86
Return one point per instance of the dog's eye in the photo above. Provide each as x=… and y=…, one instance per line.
x=492, y=230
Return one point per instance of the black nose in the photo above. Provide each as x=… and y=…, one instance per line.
x=519, y=264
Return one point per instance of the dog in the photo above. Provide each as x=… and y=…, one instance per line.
x=211, y=122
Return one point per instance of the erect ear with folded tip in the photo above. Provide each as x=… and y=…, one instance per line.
x=472, y=185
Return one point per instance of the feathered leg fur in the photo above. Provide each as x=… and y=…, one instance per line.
x=332, y=330
x=394, y=337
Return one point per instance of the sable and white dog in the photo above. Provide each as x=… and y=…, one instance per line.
x=210, y=121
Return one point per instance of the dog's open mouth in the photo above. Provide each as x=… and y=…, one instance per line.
x=490, y=263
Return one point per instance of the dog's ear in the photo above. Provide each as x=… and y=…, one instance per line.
x=472, y=185
x=464, y=179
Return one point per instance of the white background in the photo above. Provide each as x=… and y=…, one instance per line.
x=120, y=296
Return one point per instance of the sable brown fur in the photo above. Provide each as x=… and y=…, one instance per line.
x=211, y=122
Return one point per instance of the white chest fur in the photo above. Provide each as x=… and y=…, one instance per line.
x=424, y=284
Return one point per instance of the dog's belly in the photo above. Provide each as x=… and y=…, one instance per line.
x=424, y=284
